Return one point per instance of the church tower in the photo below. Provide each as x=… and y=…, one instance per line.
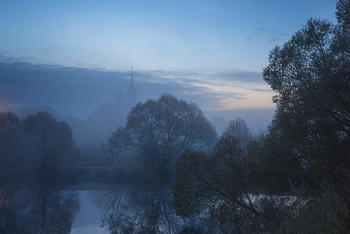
x=131, y=93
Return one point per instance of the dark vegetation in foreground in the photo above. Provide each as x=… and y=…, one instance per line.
x=294, y=178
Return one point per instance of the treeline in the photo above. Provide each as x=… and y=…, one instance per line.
x=35, y=146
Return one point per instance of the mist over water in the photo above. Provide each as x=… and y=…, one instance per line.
x=94, y=104
x=174, y=117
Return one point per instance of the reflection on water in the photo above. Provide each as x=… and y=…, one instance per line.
x=40, y=209
x=135, y=211
x=63, y=209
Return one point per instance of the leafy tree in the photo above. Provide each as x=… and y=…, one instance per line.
x=14, y=150
x=51, y=139
x=238, y=129
x=306, y=151
x=9, y=130
x=311, y=127
x=220, y=182
x=304, y=158
x=159, y=131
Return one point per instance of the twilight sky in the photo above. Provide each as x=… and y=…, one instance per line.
x=212, y=51
x=205, y=35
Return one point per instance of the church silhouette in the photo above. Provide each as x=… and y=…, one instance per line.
x=127, y=99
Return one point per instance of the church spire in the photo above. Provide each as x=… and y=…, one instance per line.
x=131, y=74
x=131, y=93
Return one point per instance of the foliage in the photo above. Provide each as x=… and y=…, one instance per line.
x=34, y=146
x=295, y=177
x=159, y=131
x=306, y=151
x=11, y=139
x=310, y=73
x=52, y=139
x=219, y=182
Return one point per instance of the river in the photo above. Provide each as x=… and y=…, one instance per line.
x=89, y=208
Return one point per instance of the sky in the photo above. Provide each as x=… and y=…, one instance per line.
x=214, y=49
x=205, y=35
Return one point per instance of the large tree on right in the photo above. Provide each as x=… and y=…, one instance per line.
x=310, y=134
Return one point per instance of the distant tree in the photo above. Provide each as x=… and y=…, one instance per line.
x=100, y=124
x=159, y=131
x=238, y=129
x=12, y=144
x=220, y=182
x=9, y=127
x=51, y=139
x=32, y=110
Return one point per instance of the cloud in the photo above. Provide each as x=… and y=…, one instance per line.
x=75, y=92
x=278, y=36
x=260, y=90
x=327, y=2
x=260, y=30
x=222, y=91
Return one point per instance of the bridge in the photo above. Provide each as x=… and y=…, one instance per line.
x=102, y=175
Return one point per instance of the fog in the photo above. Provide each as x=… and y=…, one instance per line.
x=174, y=117
x=76, y=92
x=94, y=103
x=87, y=98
